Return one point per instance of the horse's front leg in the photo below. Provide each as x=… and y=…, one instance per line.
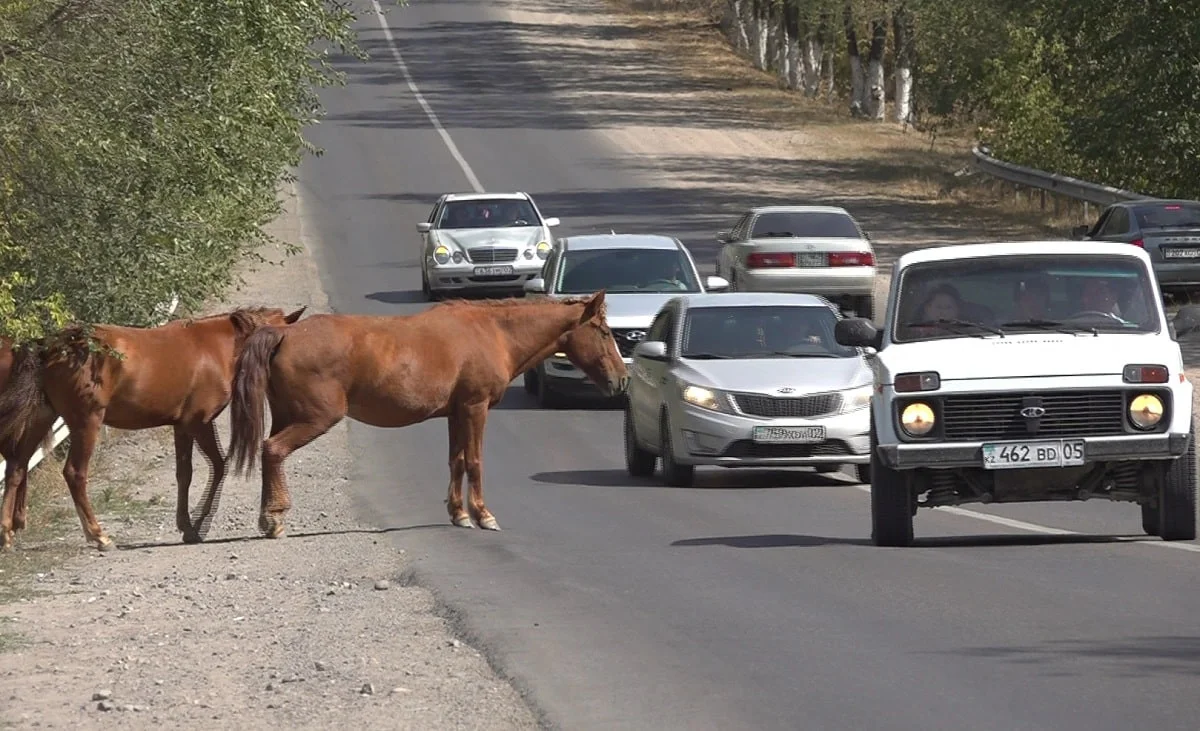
x=473, y=453
x=84, y=434
x=456, y=424
x=183, y=478
x=14, y=479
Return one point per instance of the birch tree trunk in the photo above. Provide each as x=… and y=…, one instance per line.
x=761, y=29
x=902, y=38
x=876, y=91
x=795, y=70
x=857, y=80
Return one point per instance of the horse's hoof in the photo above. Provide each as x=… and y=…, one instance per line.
x=190, y=537
x=489, y=523
x=463, y=521
x=105, y=544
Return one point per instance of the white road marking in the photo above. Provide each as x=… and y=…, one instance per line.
x=1047, y=530
x=453, y=148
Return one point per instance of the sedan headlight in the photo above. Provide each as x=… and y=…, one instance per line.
x=857, y=398
x=705, y=398
x=1145, y=411
x=543, y=249
x=917, y=419
x=441, y=254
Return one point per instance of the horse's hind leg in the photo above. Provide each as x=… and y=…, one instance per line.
x=276, y=448
x=458, y=466
x=210, y=444
x=475, y=422
x=15, y=475
x=84, y=434
x=183, y=478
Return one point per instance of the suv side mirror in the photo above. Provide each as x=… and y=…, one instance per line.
x=424, y=226
x=537, y=285
x=857, y=332
x=651, y=350
x=551, y=222
x=1080, y=231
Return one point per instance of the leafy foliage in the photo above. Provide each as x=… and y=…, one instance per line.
x=141, y=145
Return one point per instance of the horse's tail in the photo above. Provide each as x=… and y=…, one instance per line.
x=249, y=387
x=23, y=400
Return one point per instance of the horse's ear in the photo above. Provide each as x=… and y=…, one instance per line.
x=291, y=318
x=242, y=322
x=594, y=306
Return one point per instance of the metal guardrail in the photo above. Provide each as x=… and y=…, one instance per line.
x=1102, y=195
x=59, y=427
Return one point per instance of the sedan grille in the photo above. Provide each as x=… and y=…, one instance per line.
x=627, y=339
x=979, y=417
x=747, y=449
x=798, y=407
x=490, y=255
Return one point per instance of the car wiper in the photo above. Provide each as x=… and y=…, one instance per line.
x=943, y=322
x=1055, y=325
x=707, y=356
x=776, y=235
x=789, y=354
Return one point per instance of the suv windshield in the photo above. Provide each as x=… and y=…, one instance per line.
x=1168, y=215
x=992, y=296
x=762, y=331
x=488, y=213
x=626, y=270
x=814, y=224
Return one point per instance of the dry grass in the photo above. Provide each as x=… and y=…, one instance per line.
x=904, y=162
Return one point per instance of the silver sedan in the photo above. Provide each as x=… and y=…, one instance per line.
x=746, y=380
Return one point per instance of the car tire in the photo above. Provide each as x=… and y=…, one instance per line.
x=863, y=473
x=531, y=382
x=1150, y=519
x=864, y=306
x=1177, y=495
x=546, y=396
x=674, y=474
x=638, y=462
x=891, y=503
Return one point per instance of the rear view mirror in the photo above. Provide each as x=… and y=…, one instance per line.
x=551, y=222
x=857, y=332
x=537, y=285
x=424, y=226
x=651, y=350
x=716, y=284
x=1080, y=231
x=723, y=237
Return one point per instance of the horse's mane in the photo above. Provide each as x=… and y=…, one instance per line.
x=517, y=302
x=256, y=312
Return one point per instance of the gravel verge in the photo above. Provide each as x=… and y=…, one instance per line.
x=315, y=631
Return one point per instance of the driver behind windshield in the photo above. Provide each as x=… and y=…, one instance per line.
x=1099, y=296
x=661, y=270
x=792, y=331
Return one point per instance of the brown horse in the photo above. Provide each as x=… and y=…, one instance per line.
x=19, y=448
x=455, y=359
x=179, y=374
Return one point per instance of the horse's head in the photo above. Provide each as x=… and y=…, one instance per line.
x=591, y=348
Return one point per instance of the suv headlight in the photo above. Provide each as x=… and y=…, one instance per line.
x=917, y=419
x=543, y=250
x=705, y=398
x=857, y=398
x=1145, y=410
x=441, y=254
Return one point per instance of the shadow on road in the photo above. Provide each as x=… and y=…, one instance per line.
x=715, y=479
x=1124, y=657
x=784, y=540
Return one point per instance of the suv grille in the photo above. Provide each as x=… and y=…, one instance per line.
x=802, y=407
x=626, y=344
x=978, y=417
x=489, y=255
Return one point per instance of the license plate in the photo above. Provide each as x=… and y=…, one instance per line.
x=1181, y=253
x=1045, y=453
x=495, y=271
x=789, y=434
x=810, y=260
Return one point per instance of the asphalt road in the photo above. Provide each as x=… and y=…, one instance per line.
x=754, y=600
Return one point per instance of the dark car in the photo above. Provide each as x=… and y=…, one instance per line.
x=1169, y=231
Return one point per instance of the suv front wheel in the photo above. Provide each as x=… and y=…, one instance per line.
x=891, y=502
x=1177, y=495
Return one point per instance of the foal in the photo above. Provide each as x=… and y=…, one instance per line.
x=455, y=359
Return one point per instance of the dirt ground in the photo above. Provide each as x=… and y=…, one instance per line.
x=249, y=633
x=314, y=631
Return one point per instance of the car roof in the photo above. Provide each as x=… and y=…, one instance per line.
x=751, y=299
x=486, y=196
x=800, y=209
x=1158, y=202
x=619, y=241
x=1021, y=248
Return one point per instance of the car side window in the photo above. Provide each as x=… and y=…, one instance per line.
x=1117, y=223
x=1095, y=230
x=661, y=328
x=739, y=231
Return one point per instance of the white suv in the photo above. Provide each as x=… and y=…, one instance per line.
x=1024, y=372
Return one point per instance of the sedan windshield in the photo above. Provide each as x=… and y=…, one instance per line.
x=808, y=224
x=488, y=213
x=626, y=270
x=762, y=331
x=993, y=297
